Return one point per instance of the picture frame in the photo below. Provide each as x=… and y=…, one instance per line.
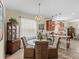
x=41, y=26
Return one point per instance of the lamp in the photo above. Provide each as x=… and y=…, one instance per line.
x=38, y=17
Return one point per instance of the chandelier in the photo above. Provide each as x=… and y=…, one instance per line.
x=38, y=17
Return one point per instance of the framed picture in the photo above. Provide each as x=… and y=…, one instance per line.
x=1, y=21
x=41, y=26
x=53, y=25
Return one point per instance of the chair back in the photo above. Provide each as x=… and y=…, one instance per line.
x=24, y=41
x=29, y=52
x=56, y=42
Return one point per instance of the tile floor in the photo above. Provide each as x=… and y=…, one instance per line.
x=72, y=53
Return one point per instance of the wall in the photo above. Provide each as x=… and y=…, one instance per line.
x=2, y=55
x=10, y=13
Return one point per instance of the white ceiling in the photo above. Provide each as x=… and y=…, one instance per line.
x=68, y=8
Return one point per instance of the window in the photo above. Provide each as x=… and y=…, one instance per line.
x=28, y=28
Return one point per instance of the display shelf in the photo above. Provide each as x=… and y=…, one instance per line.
x=13, y=44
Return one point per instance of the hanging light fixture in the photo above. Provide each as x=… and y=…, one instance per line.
x=38, y=17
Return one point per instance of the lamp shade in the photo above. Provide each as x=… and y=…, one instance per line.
x=38, y=17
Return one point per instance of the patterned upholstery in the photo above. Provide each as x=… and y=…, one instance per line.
x=53, y=49
x=29, y=51
x=24, y=41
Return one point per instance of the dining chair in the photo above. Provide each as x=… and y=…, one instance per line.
x=53, y=49
x=29, y=51
x=41, y=50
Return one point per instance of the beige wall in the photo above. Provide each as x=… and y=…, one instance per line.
x=10, y=13
x=2, y=55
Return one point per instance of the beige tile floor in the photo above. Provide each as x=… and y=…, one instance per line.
x=72, y=53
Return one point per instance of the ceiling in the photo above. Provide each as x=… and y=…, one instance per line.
x=69, y=9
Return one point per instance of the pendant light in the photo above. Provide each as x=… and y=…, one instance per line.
x=38, y=17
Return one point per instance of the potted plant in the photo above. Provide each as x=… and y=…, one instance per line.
x=13, y=20
x=40, y=36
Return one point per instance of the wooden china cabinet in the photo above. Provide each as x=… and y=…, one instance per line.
x=71, y=31
x=13, y=43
